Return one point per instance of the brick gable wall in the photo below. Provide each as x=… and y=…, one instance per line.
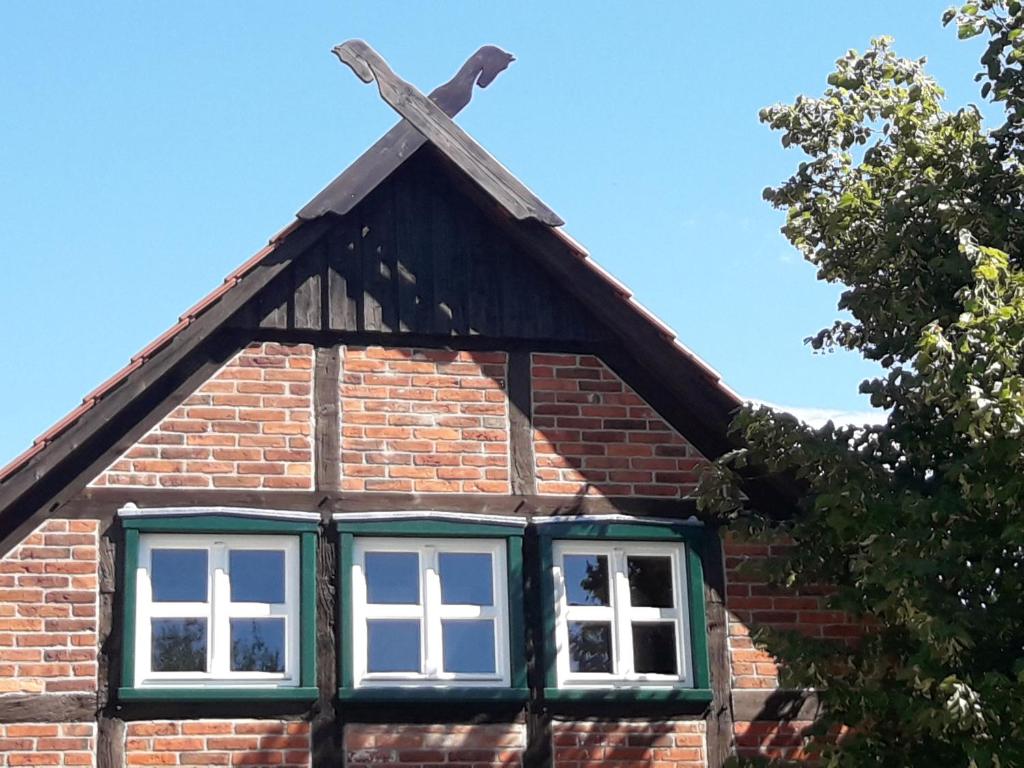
x=752, y=603
x=48, y=606
x=593, y=434
x=424, y=420
x=254, y=743
x=658, y=744
x=459, y=746
x=411, y=420
x=249, y=426
x=47, y=744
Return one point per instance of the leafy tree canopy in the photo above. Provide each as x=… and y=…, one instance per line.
x=919, y=523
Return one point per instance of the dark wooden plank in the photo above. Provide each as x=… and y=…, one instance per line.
x=445, y=246
x=328, y=751
x=274, y=301
x=344, y=276
x=413, y=234
x=444, y=134
x=379, y=261
x=520, y=397
x=307, y=272
x=719, y=725
x=47, y=708
x=327, y=450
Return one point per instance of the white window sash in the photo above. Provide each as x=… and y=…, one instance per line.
x=621, y=615
x=431, y=613
x=218, y=611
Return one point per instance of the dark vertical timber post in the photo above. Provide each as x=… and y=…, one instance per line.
x=524, y=483
x=520, y=396
x=326, y=396
x=326, y=730
x=719, y=723
x=109, y=728
x=539, y=724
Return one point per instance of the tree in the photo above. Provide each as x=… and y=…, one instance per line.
x=919, y=522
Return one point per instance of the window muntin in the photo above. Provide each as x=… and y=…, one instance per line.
x=430, y=612
x=217, y=610
x=621, y=613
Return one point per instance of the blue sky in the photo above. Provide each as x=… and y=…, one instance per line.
x=148, y=149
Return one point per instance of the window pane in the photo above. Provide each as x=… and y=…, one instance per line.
x=590, y=646
x=257, y=575
x=654, y=648
x=257, y=645
x=392, y=577
x=393, y=645
x=178, y=575
x=466, y=578
x=650, y=581
x=586, y=579
x=179, y=645
x=468, y=646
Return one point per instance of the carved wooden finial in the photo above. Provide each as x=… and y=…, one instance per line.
x=480, y=69
x=431, y=118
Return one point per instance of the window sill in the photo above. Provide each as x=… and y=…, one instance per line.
x=398, y=695
x=628, y=695
x=218, y=694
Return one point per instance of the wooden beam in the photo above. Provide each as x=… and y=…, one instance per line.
x=539, y=751
x=520, y=401
x=778, y=705
x=719, y=725
x=110, y=728
x=110, y=743
x=328, y=749
x=47, y=708
x=103, y=503
x=327, y=450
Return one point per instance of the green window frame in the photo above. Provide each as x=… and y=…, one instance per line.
x=188, y=522
x=353, y=527
x=696, y=539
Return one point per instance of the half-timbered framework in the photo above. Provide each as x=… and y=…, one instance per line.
x=413, y=485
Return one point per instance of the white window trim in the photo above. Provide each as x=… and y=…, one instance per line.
x=620, y=613
x=218, y=612
x=431, y=612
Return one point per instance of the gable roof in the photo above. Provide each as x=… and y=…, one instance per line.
x=703, y=404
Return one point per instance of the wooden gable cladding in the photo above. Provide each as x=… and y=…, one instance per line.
x=417, y=256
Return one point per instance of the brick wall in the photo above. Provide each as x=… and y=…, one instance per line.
x=249, y=426
x=47, y=744
x=776, y=740
x=751, y=603
x=593, y=434
x=48, y=610
x=424, y=420
x=256, y=743
x=480, y=746
x=621, y=744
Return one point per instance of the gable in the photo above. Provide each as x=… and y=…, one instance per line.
x=418, y=256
